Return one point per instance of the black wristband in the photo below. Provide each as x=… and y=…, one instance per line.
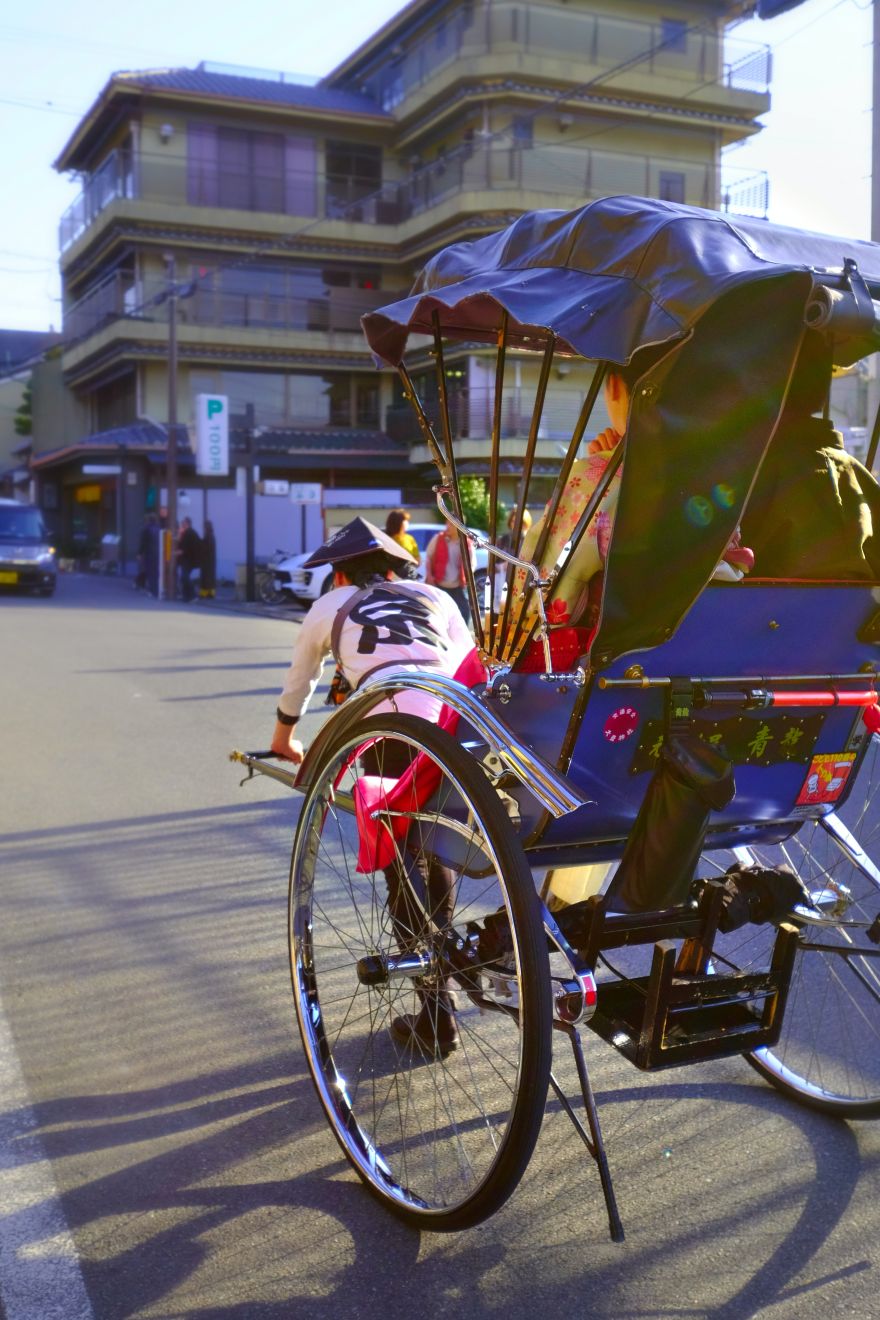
x=289, y=720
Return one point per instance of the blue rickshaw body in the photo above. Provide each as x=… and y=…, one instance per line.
x=750, y=630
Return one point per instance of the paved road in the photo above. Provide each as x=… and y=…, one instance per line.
x=161, y=1151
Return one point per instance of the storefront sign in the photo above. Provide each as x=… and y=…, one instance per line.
x=305, y=492
x=212, y=435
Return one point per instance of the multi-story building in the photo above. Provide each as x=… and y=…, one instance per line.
x=285, y=211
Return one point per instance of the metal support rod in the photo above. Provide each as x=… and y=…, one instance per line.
x=552, y=509
x=875, y=431
x=250, y=590
x=567, y=463
x=755, y=681
x=594, y=1142
x=494, y=464
x=526, y=481
x=258, y=761
x=171, y=453
x=121, y=529
x=409, y=393
x=451, y=481
x=529, y=568
x=589, y=512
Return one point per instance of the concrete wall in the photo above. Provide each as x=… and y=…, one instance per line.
x=278, y=524
x=11, y=395
x=60, y=418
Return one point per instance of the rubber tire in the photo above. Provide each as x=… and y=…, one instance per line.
x=829, y=1011
x=534, y=986
x=805, y=1090
x=267, y=592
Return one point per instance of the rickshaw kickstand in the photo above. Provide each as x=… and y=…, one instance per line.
x=592, y=1139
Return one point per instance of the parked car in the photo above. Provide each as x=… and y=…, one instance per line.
x=307, y=584
x=27, y=556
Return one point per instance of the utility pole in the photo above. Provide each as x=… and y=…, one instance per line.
x=171, y=456
x=250, y=589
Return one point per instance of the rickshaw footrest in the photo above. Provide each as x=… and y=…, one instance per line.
x=664, y=1021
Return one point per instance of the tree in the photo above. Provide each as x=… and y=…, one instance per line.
x=474, y=502
x=24, y=421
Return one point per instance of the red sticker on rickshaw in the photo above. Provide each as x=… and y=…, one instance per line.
x=621, y=724
x=826, y=778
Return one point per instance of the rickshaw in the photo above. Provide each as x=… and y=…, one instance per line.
x=683, y=730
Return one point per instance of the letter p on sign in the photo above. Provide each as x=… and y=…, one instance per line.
x=212, y=435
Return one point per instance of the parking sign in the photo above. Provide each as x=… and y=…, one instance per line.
x=212, y=435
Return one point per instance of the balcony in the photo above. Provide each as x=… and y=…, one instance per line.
x=531, y=176
x=687, y=54
x=114, y=178
x=143, y=302
x=471, y=413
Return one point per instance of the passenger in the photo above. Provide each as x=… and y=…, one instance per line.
x=814, y=512
x=505, y=542
x=570, y=597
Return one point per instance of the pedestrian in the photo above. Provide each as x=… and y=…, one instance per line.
x=397, y=527
x=444, y=567
x=189, y=554
x=368, y=621
x=153, y=555
x=143, y=553
x=208, y=564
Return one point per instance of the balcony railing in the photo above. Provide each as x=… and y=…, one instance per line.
x=471, y=413
x=120, y=296
x=689, y=53
x=564, y=175
x=114, y=178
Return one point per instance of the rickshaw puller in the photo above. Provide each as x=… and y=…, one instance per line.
x=370, y=621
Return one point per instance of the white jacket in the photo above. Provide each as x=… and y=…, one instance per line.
x=385, y=628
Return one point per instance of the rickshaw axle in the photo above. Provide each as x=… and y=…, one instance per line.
x=379, y=968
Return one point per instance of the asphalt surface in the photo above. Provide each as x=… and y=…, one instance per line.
x=162, y=1152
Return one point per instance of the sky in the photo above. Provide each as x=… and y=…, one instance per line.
x=55, y=58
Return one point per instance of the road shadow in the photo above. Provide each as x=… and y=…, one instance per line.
x=191, y=1141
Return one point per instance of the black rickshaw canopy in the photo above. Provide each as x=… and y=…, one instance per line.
x=730, y=297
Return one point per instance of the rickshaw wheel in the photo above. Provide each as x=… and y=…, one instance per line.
x=441, y=1141
x=828, y=1053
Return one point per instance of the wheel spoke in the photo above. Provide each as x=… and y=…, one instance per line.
x=439, y=1137
x=827, y=1054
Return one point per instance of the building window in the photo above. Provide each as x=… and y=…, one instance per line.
x=671, y=186
x=249, y=171
x=522, y=128
x=293, y=400
x=114, y=404
x=286, y=296
x=366, y=403
x=674, y=35
x=353, y=173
